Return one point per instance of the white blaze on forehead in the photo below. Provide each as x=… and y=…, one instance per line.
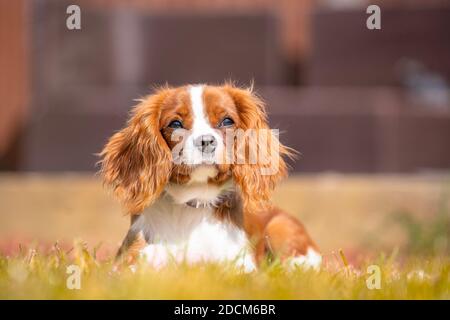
x=200, y=127
x=201, y=122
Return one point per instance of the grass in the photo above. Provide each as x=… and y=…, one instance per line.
x=31, y=274
x=432, y=235
x=363, y=214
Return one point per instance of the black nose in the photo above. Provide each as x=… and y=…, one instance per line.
x=206, y=143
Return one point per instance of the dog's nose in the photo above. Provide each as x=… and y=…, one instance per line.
x=206, y=143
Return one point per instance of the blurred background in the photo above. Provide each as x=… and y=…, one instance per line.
x=369, y=110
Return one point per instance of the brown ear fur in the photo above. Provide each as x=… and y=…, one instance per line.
x=256, y=188
x=136, y=161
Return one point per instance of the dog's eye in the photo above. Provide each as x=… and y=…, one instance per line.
x=175, y=124
x=227, y=122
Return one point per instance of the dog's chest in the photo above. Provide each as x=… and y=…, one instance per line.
x=178, y=232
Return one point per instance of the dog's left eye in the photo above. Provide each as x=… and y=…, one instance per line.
x=176, y=124
x=227, y=122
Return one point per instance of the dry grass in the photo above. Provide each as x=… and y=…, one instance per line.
x=34, y=275
x=353, y=212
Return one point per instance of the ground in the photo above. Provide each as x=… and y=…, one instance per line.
x=33, y=275
x=397, y=225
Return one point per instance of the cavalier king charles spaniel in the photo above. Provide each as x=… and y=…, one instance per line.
x=195, y=168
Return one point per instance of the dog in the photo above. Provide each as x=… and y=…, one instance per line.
x=192, y=192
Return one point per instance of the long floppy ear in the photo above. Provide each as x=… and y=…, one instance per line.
x=257, y=180
x=136, y=161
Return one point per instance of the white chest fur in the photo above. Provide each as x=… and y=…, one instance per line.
x=177, y=232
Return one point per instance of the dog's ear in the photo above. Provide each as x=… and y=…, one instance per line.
x=136, y=161
x=256, y=180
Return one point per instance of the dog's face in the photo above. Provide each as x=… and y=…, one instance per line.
x=178, y=132
x=194, y=122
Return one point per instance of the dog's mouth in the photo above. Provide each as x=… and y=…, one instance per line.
x=188, y=169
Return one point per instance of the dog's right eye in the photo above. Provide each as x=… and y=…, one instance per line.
x=175, y=124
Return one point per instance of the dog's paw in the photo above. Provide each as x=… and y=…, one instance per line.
x=245, y=263
x=312, y=259
x=158, y=256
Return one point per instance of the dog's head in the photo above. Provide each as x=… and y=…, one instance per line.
x=180, y=136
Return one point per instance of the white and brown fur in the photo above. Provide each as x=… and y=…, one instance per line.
x=199, y=212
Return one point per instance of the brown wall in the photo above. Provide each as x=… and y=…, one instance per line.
x=14, y=72
x=81, y=94
x=293, y=15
